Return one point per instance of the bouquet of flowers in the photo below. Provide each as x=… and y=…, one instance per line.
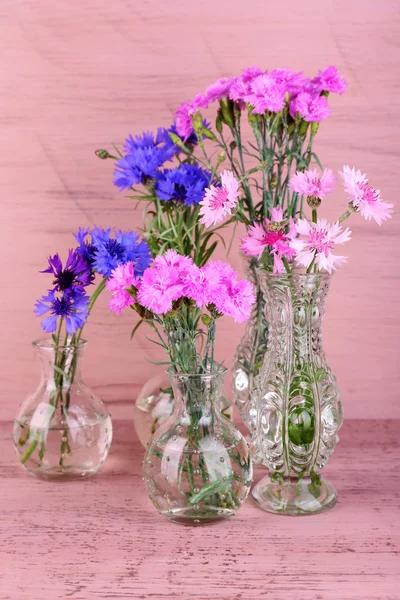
x=53, y=408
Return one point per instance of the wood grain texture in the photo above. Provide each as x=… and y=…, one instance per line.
x=102, y=538
x=77, y=75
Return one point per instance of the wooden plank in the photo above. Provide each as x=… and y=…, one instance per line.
x=102, y=538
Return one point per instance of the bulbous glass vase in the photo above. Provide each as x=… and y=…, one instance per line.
x=296, y=398
x=63, y=430
x=155, y=403
x=251, y=351
x=197, y=467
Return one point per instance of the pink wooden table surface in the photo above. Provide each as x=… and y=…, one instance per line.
x=102, y=539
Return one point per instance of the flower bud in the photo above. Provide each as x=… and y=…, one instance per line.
x=313, y=201
x=221, y=157
x=206, y=320
x=274, y=226
x=103, y=154
x=273, y=182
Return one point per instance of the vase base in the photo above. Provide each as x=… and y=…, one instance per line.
x=70, y=473
x=294, y=497
x=201, y=516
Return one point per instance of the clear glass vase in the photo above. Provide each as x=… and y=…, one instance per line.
x=250, y=352
x=197, y=467
x=296, y=398
x=63, y=430
x=155, y=404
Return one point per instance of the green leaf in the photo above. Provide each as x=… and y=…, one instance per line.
x=211, y=488
x=136, y=328
x=60, y=372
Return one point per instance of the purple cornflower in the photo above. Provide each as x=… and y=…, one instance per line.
x=185, y=184
x=75, y=274
x=71, y=305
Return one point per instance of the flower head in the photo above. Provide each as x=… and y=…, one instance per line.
x=121, y=278
x=145, y=155
x=76, y=274
x=159, y=287
x=217, y=90
x=185, y=184
x=238, y=299
x=266, y=94
x=329, y=80
x=172, y=259
x=311, y=107
x=184, y=114
x=71, y=305
x=364, y=197
x=259, y=238
x=219, y=201
x=190, y=141
x=312, y=183
x=203, y=285
x=106, y=252
x=316, y=242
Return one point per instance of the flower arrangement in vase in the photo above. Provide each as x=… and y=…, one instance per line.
x=63, y=429
x=197, y=466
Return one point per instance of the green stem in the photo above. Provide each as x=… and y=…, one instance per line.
x=314, y=215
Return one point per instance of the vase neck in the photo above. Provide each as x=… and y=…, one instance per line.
x=295, y=305
x=61, y=365
x=200, y=394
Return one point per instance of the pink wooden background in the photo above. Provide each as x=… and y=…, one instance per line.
x=76, y=75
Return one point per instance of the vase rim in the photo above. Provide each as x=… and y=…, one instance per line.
x=48, y=344
x=301, y=274
x=220, y=371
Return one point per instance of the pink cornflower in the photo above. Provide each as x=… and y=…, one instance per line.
x=317, y=242
x=266, y=94
x=312, y=183
x=238, y=299
x=329, y=80
x=218, y=202
x=364, y=197
x=121, y=278
x=217, y=90
x=261, y=237
x=184, y=114
x=172, y=259
x=312, y=108
x=159, y=287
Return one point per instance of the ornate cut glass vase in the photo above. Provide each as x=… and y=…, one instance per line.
x=296, y=399
x=197, y=468
x=63, y=430
x=251, y=351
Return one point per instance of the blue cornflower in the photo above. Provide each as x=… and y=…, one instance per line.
x=75, y=274
x=144, y=156
x=71, y=305
x=185, y=184
x=86, y=248
x=190, y=141
x=107, y=252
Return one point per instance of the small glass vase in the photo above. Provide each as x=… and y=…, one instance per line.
x=63, y=430
x=197, y=467
x=155, y=404
x=250, y=353
x=296, y=398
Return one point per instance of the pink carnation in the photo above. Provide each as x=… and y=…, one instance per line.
x=329, y=81
x=266, y=94
x=238, y=299
x=217, y=90
x=317, y=241
x=172, y=259
x=159, y=287
x=312, y=108
x=218, y=202
x=364, y=197
x=202, y=285
x=311, y=183
x=184, y=114
x=249, y=73
x=121, y=278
